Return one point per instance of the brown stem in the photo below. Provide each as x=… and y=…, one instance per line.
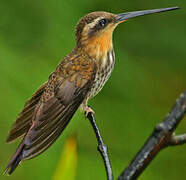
x=102, y=148
x=177, y=140
x=161, y=137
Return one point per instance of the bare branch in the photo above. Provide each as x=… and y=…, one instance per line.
x=161, y=137
x=177, y=140
x=102, y=148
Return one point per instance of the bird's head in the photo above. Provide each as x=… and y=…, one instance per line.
x=94, y=31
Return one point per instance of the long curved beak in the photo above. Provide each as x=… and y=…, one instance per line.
x=125, y=16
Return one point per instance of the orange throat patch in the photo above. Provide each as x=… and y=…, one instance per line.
x=98, y=46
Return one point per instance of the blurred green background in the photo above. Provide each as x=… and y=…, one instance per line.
x=150, y=73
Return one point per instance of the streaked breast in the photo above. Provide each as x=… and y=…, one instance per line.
x=103, y=73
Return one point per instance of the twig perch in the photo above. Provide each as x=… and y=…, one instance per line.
x=102, y=148
x=162, y=136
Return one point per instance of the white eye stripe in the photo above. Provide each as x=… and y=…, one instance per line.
x=92, y=24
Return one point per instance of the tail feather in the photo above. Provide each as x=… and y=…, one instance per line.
x=16, y=159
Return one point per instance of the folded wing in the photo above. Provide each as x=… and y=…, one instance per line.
x=53, y=116
x=59, y=101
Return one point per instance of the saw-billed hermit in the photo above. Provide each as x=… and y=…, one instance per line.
x=77, y=78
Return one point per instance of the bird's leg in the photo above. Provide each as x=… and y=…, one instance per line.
x=86, y=109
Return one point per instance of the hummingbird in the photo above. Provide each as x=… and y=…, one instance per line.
x=77, y=78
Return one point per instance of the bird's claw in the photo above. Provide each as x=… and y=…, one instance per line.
x=88, y=110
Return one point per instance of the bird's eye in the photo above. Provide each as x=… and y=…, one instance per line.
x=102, y=22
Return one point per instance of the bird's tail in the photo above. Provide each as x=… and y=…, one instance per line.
x=16, y=159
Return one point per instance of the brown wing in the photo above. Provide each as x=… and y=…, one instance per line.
x=24, y=119
x=57, y=108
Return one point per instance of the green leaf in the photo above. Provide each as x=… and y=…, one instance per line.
x=67, y=165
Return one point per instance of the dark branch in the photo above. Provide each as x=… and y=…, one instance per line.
x=177, y=140
x=161, y=137
x=102, y=148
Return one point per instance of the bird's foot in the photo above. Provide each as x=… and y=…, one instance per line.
x=88, y=110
